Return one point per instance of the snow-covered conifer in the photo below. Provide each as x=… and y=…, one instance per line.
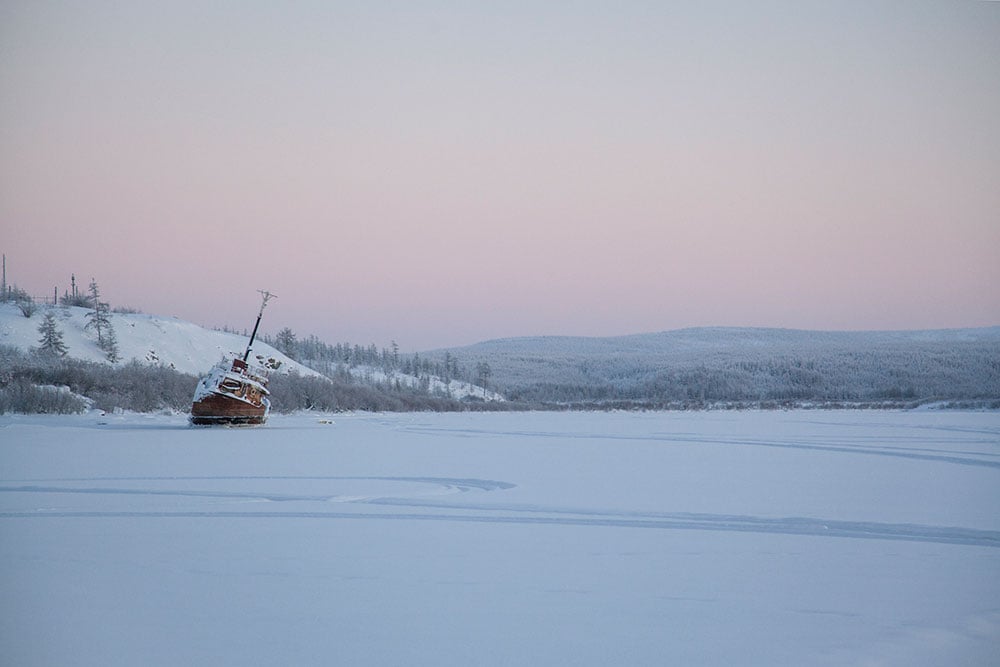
x=52, y=338
x=110, y=344
x=99, y=319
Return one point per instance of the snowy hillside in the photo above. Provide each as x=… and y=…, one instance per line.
x=191, y=349
x=457, y=389
x=183, y=346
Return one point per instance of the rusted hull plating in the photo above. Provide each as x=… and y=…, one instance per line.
x=217, y=409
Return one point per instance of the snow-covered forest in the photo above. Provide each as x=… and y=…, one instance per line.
x=70, y=357
x=387, y=368
x=745, y=365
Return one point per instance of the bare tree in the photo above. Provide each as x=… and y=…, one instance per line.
x=483, y=374
x=286, y=343
x=27, y=306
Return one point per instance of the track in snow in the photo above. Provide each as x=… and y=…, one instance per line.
x=452, y=510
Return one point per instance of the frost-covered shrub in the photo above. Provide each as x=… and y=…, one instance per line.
x=24, y=397
x=28, y=307
x=78, y=300
x=293, y=392
x=134, y=386
x=140, y=387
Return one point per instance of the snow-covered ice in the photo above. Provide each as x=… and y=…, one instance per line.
x=715, y=538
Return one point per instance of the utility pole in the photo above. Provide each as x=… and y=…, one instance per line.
x=4, y=290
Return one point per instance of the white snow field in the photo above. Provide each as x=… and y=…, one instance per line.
x=713, y=538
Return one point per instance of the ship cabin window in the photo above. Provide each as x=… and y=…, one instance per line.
x=231, y=385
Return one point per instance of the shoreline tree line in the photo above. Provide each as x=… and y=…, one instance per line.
x=357, y=377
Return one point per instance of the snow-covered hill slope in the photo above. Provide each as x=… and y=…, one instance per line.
x=183, y=346
x=189, y=348
x=457, y=389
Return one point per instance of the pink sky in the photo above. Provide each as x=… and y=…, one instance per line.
x=440, y=174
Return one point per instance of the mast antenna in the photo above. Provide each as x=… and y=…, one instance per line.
x=266, y=296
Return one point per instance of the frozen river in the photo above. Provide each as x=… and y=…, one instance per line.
x=713, y=538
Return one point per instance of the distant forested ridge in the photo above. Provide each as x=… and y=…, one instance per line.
x=745, y=365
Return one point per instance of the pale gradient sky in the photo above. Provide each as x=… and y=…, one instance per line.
x=441, y=173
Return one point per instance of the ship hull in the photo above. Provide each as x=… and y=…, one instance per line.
x=219, y=409
x=234, y=392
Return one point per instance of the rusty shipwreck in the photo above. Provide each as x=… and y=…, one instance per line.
x=235, y=391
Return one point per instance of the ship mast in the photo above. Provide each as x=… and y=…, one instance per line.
x=266, y=295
